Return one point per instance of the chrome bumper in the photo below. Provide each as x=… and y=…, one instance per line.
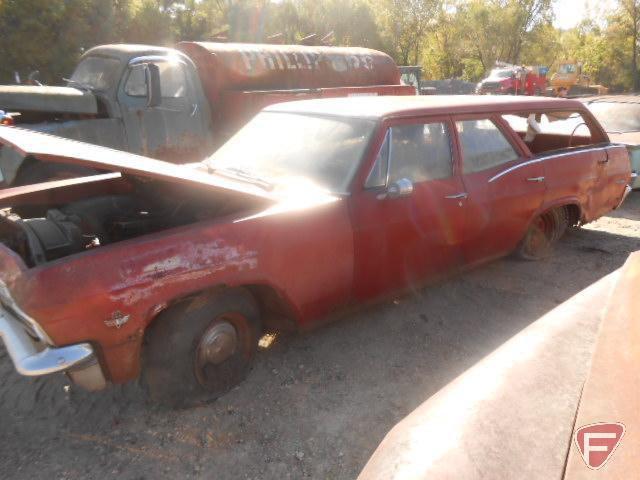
x=34, y=358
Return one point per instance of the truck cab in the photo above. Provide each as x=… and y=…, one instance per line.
x=142, y=99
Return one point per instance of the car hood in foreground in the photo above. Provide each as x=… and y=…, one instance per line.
x=515, y=414
x=19, y=98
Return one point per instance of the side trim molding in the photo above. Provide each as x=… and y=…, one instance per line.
x=550, y=157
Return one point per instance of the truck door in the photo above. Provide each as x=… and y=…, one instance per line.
x=175, y=125
x=414, y=233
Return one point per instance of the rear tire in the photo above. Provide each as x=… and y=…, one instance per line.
x=200, y=349
x=545, y=230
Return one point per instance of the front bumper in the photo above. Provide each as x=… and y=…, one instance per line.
x=33, y=357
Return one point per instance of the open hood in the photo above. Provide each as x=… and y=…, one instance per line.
x=49, y=148
x=19, y=98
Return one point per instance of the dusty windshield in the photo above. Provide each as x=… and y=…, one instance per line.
x=567, y=68
x=275, y=147
x=96, y=73
x=617, y=117
x=501, y=73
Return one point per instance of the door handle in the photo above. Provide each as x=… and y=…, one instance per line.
x=535, y=179
x=604, y=160
x=457, y=196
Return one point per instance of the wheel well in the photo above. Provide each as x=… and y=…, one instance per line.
x=575, y=215
x=276, y=313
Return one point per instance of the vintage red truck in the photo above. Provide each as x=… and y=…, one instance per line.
x=514, y=80
x=312, y=208
x=180, y=104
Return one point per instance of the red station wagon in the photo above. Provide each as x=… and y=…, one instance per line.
x=311, y=208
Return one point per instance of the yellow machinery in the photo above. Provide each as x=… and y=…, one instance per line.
x=571, y=81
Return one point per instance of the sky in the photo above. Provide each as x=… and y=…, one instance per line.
x=570, y=13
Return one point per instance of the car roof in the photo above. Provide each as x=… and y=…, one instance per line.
x=124, y=51
x=612, y=99
x=377, y=107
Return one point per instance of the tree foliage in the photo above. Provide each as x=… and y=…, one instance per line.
x=449, y=38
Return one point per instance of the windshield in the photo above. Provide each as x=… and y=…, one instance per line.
x=501, y=73
x=567, y=68
x=97, y=73
x=277, y=146
x=617, y=117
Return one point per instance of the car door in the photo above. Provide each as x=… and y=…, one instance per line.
x=176, y=128
x=505, y=187
x=409, y=214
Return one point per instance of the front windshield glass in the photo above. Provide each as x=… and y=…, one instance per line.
x=501, y=73
x=567, y=68
x=276, y=147
x=617, y=117
x=97, y=73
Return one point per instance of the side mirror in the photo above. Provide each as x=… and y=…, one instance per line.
x=399, y=188
x=152, y=78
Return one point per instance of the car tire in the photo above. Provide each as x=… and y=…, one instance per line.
x=545, y=230
x=200, y=349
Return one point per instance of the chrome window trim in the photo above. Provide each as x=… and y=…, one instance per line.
x=549, y=157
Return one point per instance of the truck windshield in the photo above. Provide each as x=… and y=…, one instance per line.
x=277, y=147
x=501, y=73
x=567, y=68
x=617, y=117
x=97, y=73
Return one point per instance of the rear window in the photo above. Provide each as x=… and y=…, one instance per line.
x=553, y=130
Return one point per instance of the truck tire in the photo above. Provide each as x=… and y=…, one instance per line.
x=545, y=230
x=199, y=349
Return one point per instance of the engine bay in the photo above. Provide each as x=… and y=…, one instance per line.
x=43, y=233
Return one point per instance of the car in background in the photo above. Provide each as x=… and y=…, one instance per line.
x=312, y=208
x=620, y=117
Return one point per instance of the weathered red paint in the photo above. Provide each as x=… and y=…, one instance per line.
x=318, y=252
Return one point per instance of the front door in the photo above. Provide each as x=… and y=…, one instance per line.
x=176, y=129
x=400, y=242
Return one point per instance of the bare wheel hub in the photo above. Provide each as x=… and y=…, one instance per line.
x=217, y=344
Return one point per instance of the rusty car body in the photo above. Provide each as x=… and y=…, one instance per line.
x=516, y=413
x=180, y=104
x=311, y=208
x=619, y=115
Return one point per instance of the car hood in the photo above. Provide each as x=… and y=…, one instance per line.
x=628, y=138
x=18, y=98
x=49, y=148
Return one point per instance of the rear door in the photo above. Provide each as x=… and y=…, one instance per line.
x=505, y=187
x=399, y=242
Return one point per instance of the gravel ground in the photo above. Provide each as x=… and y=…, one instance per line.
x=315, y=405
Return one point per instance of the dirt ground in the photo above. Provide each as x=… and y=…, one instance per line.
x=315, y=405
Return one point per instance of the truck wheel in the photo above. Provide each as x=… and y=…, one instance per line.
x=544, y=231
x=200, y=349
